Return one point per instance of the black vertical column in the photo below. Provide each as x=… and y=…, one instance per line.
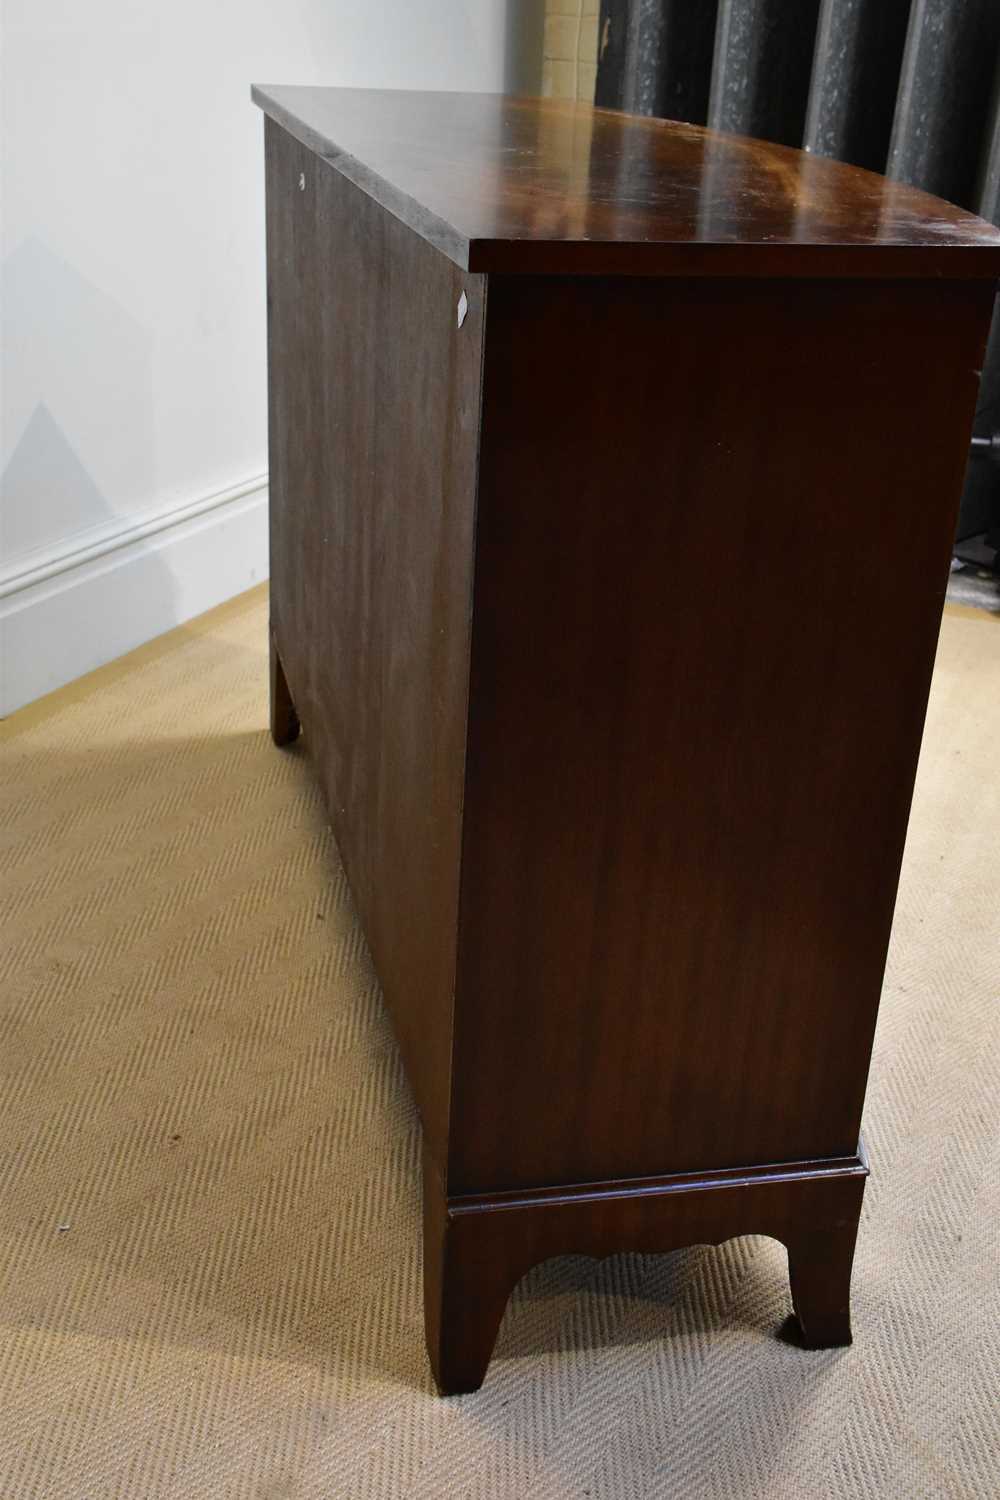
x=761, y=69
x=855, y=79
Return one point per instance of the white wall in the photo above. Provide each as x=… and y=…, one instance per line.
x=134, y=404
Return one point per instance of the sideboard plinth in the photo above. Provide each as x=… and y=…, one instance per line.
x=477, y=1248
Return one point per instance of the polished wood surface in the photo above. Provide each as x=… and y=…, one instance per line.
x=532, y=185
x=608, y=605
x=477, y=1248
x=700, y=662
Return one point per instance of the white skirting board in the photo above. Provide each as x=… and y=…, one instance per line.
x=72, y=608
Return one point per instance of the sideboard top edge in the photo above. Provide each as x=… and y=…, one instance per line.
x=438, y=232
x=514, y=185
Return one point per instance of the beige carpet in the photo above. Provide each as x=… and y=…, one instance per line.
x=209, y=1201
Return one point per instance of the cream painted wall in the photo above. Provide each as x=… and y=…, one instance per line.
x=571, y=42
x=133, y=398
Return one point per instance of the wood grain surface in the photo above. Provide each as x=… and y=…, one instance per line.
x=543, y=185
x=374, y=404
x=708, y=591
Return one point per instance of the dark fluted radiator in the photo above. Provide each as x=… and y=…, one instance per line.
x=910, y=88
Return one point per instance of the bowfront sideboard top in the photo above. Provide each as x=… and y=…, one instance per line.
x=535, y=186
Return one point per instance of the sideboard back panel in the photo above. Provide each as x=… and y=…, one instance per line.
x=374, y=411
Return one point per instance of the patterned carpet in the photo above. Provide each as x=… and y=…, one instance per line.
x=209, y=1158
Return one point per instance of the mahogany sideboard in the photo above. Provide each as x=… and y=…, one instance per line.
x=614, y=466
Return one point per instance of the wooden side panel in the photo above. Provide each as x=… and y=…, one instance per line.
x=374, y=411
x=714, y=531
